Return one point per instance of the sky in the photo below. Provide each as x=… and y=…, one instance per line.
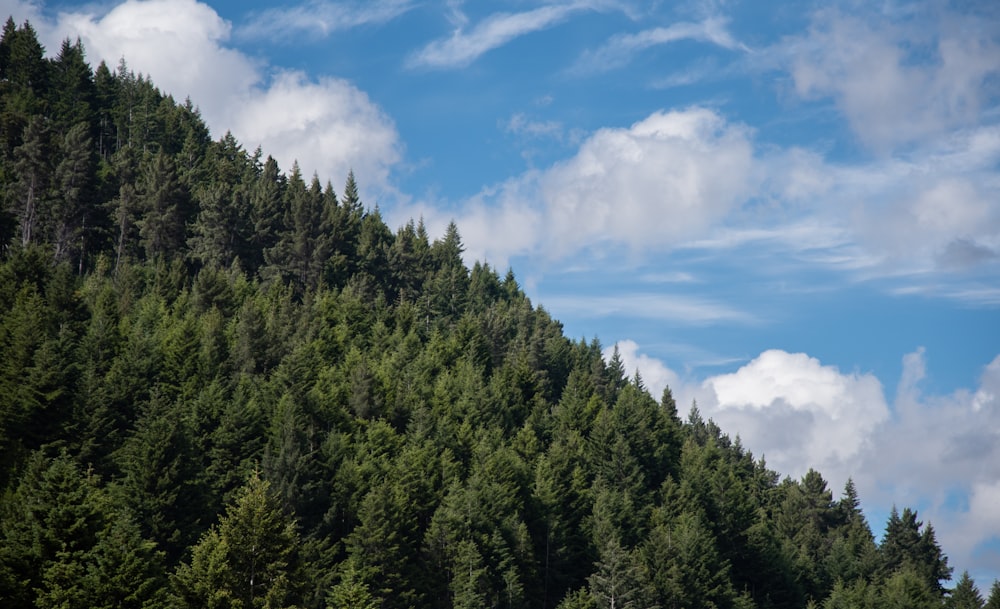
x=787, y=212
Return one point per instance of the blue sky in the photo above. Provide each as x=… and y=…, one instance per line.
x=787, y=211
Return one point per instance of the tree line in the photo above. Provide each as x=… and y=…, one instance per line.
x=223, y=385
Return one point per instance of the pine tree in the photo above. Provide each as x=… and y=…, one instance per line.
x=73, y=93
x=250, y=559
x=350, y=592
x=74, y=211
x=33, y=172
x=965, y=595
x=904, y=545
x=162, y=224
x=620, y=580
x=993, y=602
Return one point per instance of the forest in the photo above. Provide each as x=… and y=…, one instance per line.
x=228, y=385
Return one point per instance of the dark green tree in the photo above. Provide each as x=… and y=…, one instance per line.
x=75, y=213
x=993, y=602
x=905, y=545
x=29, y=194
x=965, y=595
x=72, y=91
x=164, y=208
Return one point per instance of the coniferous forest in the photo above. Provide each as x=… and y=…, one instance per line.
x=225, y=384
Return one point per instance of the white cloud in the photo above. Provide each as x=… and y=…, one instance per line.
x=799, y=412
x=898, y=83
x=519, y=124
x=923, y=452
x=660, y=307
x=938, y=446
x=464, y=47
x=327, y=124
x=321, y=18
x=334, y=127
x=659, y=183
x=619, y=50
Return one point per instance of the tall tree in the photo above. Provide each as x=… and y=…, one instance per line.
x=905, y=545
x=33, y=173
x=164, y=207
x=72, y=92
x=74, y=213
x=249, y=560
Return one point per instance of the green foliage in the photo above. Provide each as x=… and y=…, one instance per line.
x=249, y=560
x=965, y=595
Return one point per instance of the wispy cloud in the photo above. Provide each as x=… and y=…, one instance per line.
x=619, y=50
x=652, y=306
x=519, y=124
x=897, y=83
x=464, y=47
x=320, y=18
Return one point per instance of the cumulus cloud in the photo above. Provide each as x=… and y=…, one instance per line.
x=800, y=412
x=334, y=126
x=661, y=181
x=922, y=452
x=327, y=124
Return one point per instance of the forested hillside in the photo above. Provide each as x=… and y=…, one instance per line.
x=227, y=385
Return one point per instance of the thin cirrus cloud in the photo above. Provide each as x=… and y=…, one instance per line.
x=651, y=306
x=464, y=47
x=620, y=49
x=320, y=18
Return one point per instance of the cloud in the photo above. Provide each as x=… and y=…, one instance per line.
x=519, y=124
x=898, y=82
x=320, y=18
x=940, y=446
x=462, y=47
x=619, y=50
x=798, y=411
x=327, y=124
x=661, y=181
x=939, y=454
x=660, y=307
x=334, y=126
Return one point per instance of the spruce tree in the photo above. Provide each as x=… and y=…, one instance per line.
x=965, y=595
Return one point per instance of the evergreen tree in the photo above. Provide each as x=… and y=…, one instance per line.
x=74, y=210
x=620, y=579
x=163, y=200
x=993, y=602
x=905, y=545
x=72, y=89
x=965, y=595
x=29, y=195
x=250, y=559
